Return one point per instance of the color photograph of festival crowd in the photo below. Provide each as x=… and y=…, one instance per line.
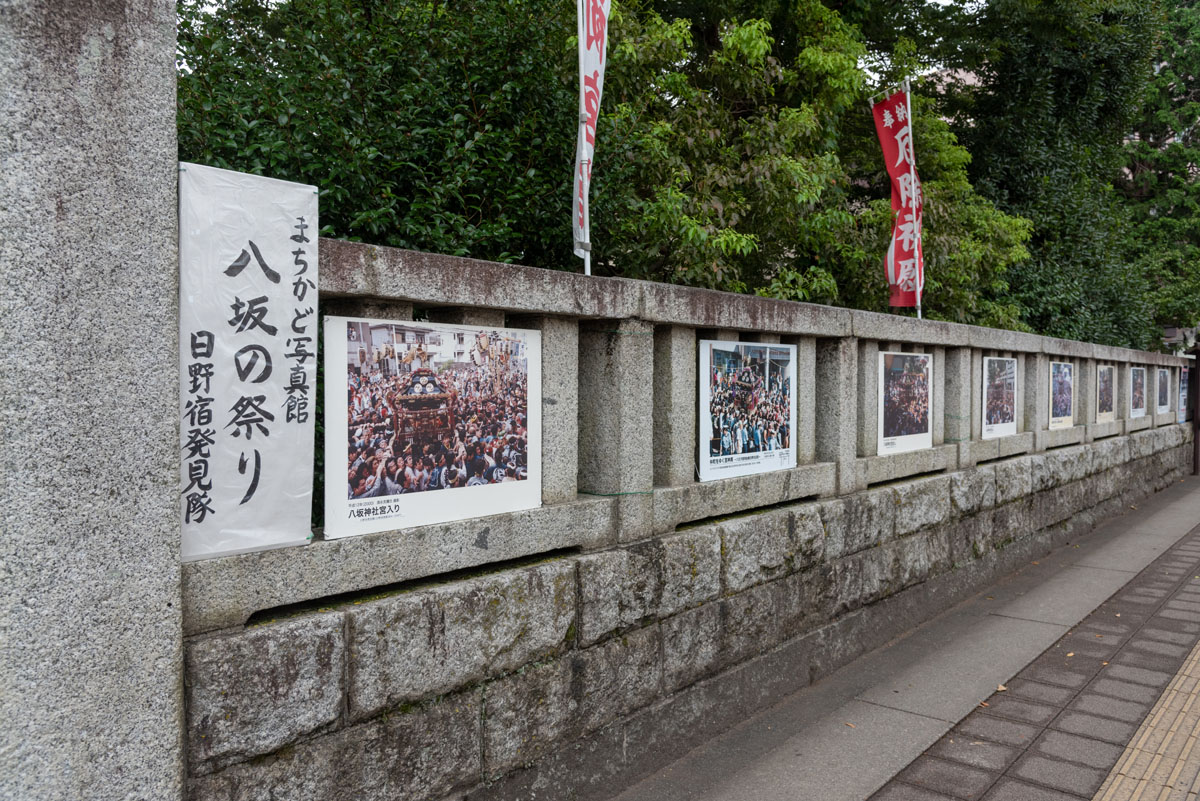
x=1000, y=397
x=1105, y=394
x=1137, y=392
x=749, y=406
x=432, y=409
x=1062, y=398
x=905, y=398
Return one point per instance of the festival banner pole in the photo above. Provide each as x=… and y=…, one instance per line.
x=912, y=165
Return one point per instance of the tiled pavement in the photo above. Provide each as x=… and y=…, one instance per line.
x=1061, y=726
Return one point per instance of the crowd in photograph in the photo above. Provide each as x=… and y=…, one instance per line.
x=905, y=403
x=1104, y=392
x=1060, y=403
x=750, y=413
x=1001, y=393
x=1139, y=389
x=476, y=436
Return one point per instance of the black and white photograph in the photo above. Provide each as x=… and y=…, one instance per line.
x=905, y=407
x=1164, y=391
x=437, y=422
x=999, y=397
x=1137, y=392
x=747, y=408
x=1106, y=409
x=1062, y=395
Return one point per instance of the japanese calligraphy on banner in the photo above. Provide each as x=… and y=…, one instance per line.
x=905, y=262
x=247, y=352
x=593, y=43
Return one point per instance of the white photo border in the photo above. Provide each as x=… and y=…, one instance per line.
x=424, y=508
x=709, y=468
x=908, y=442
x=1067, y=420
x=1135, y=412
x=1161, y=408
x=1111, y=414
x=997, y=430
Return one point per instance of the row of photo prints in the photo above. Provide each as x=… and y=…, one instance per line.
x=443, y=422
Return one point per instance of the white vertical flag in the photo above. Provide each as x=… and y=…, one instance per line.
x=593, y=42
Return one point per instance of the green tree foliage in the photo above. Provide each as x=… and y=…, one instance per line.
x=1160, y=185
x=1058, y=86
x=437, y=126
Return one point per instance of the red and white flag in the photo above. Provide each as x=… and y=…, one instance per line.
x=593, y=49
x=905, y=262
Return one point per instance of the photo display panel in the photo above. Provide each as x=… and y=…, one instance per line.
x=1181, y=413
x=427, y=423
x=999, y=397
x=1062, y=395
x=1106, y=393
x=905, y=402
x=747, y=408
x=1137, y=392
x=1164, y=391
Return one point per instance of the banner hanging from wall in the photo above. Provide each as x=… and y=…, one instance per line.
x=427, y=423
x=248, y=360
x=904, y=264
x=592, y=21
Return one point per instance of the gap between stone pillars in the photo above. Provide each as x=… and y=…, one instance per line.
x=1037, y=397
x=616, y=419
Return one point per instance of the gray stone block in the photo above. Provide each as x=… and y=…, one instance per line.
x=921, y=503
x=836, y=439
x=726, y=496
x=219, y=593
x=706, y=308
x=833, y=521
x=253, y=692
x=427, y=751
x=626, y=587
x=691, y=646
x=1012, y=522
x=1014, y=479
x=870, y=519
x=973, y=490
x=970, y=538
x=804, y=601
x=876, y=469
x=749, y=624
x=617, y=677
x=424, y=643
x=894, y=328
x=765, y=546
x=92, y=646
x=526, y=714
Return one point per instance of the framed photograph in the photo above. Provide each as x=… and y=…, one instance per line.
x=747, y=408
x=905, y=402
x=1106, y=378
x=426, y=423
x=1137, y=391
x=999, y=397
x=1181, y=411
x=1062, y=395
x=1164, y=391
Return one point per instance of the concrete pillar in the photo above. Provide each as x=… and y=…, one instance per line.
x=806, y=398
x=89, y=547
x=1085, y=396
x=675, y=405
x=616, y=419
x=958, y=387
x=1037, y=397
x=837, y=372
x=867, y=397
x=937, y=400
x=560, y=404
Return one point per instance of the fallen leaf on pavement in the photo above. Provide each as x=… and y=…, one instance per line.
x=1071, y=654
x=1001, y=688
x=851, y=725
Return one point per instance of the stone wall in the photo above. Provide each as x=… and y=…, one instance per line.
x=559, y=652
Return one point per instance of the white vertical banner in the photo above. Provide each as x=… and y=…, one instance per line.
x=248, y=360
x=592, y=18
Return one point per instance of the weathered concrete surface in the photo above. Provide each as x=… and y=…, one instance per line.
x=90, y=645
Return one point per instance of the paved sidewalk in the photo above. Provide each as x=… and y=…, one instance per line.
x=849, y=735
x=1062, y=724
